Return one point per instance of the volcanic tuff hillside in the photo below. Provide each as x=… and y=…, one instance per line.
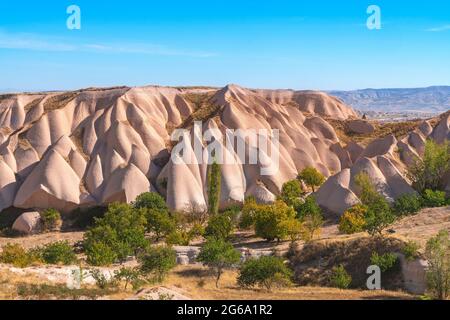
x=96, y=146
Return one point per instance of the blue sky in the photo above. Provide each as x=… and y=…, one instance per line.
x=266, y=44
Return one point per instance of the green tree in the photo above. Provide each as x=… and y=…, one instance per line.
x=293, y=229
x=264, y=272
x=353, y=220
x=312, y=178
x=437, y=253
x=218, y=255
x=429, y=171
x=310, y=214
x=150, y=200
x=157, y=262
x=248, y=213
x=379, y=214
x=269, y=221
x=159, y=222
x=378, y=217
x=219, y=226
x=121, y=233
x=291, y=192
x=214, y=186
x=368, y=192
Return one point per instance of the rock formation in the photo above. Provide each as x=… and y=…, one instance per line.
x=96, y=146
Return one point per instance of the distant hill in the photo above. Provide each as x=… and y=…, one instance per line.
x=429, y=100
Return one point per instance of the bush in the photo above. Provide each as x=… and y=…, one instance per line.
x=437, y=254
x=58, y=253
x=434, y=199
x=291, y=192
x=340, y=278
x=264, y=272
x=429, y=171
x=353, y=220
x=385, y=262
x=102, y=281
x=150, y=200
x=269, y=221
x=51, y=219
x=131, y=276
x=312, y=178
x=158, y=261
x=159, y=222
x=218, y=255
x=407, y=204
x=219, y=226
x=410, y=250
x=118, y=235
x=17, y=256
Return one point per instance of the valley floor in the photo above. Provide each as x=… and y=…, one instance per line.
x=193, y=281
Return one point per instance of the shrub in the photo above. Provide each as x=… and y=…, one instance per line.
x=218, y=255
x=353, y=221
x=434, y=199
x=17, y=256
x=410, y=250
x=291, y=192
x=51, y=219
x=340, y=278
x=312, y=178
x=429, y=171
x=120, y=234
x=102, y=281
x=219, y=226
x=150, y=200
x=129, y=276
x=157, y=262
x=58, y=253
x=178, y=238
x=437, y=253
x=264, y=272
x=159, y=222
x=385, y=262
x=214, y=186
x=407, y=204
x=269, y=221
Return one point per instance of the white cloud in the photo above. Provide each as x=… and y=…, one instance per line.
x=440, y=28
x=34, y=42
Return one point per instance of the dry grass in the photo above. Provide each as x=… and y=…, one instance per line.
x=195, y=282
x=204, y=107
x=399, y=130
x=59, y=101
